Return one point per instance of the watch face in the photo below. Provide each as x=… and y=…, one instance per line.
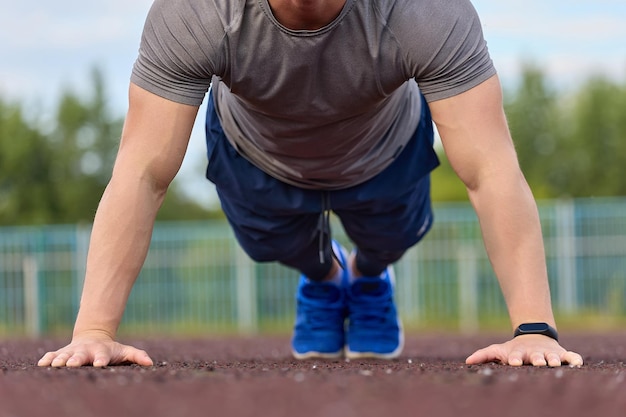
x=536, y=328
x=533, y=327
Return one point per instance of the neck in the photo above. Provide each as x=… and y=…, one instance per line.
x=306, y=14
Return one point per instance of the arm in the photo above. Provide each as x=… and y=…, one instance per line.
x=154, y=141
x=478, y=144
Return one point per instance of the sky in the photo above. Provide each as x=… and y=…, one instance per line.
x=47, y=46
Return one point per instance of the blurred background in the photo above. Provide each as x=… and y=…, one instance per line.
x=64, y=71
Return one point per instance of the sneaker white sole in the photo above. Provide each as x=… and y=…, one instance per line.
x=376, y=355
x=317, y=355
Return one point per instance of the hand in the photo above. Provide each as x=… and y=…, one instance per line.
x=94, y=349
x=536, y=350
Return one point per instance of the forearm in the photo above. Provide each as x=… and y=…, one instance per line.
x=512, y=234
x=478, y=144
x=119, y=244
x=154, y=141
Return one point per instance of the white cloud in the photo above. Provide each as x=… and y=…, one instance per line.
x=67, y=35
x=70, y=24
x=46, y=44
x=569, y=40
x=585, y=30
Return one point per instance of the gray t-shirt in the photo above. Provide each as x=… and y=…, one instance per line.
x=321, y=109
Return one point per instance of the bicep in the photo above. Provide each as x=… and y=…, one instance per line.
x=155, y=137
x=474, y=133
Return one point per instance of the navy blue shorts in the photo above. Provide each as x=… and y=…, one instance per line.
x=275, y=221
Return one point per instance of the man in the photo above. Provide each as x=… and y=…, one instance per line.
x=320, y=105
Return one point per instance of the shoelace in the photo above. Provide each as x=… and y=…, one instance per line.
x=322, y=318
x=370, y=316
x=370, y=312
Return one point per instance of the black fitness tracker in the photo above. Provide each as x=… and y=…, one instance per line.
x=537, y=328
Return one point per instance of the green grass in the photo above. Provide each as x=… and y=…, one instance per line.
x=590, y=322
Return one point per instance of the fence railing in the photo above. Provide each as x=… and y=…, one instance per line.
x=197, y=280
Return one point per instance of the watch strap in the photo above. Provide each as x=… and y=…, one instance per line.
x=536, y=328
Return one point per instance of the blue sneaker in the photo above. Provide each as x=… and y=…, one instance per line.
x=374, y=328
x=320, y=317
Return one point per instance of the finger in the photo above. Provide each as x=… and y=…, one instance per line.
x=101, y=359
x=60, y=360
x=77, y=359
x=572, y=358
x=489, y=354
x=538, y=359
x=553, y=360
x=516, y=358
x=47, y=359
x=140, y=357
x=478, y=357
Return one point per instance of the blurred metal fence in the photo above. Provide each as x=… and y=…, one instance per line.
x=197, y=280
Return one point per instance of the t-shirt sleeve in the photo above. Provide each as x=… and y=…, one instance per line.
x=446, y=50
x=178, y=52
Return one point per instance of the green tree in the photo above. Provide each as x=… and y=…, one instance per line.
x=533, y=116
x=595, y=147
x=84, y=144
x=534, y=119
x=59, y=177
x=445, y=184
x=25, y=195
x=571, y=144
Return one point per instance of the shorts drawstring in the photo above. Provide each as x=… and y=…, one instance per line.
x=323, y=228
